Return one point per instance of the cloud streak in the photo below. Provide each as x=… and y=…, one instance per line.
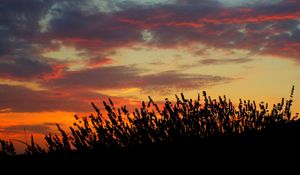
x=38, y=128
x=24, y=68
x=118, y=77
x=21, y=99
x=224, y=61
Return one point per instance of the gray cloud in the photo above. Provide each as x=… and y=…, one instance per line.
x=224, y=61
x=267, y=26
x=23, y=68
x=126, y=77
x=21, y=99
x=176, y=80
x=243, y=3
x=74, y=91
x=39, y=128
x=98, y=78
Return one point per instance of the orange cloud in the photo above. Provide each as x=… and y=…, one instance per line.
x=57, y=72
x=99, y=62
x=146, y=25
x=243, y=17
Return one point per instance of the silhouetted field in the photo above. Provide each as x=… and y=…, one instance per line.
x=201, y=130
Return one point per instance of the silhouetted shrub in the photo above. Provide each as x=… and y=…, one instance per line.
x=6, y=149
x=185, y=122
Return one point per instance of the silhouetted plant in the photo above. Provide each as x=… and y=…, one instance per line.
x=7, y=149
x=33, y=149
x=118, y=129
x=182, y=119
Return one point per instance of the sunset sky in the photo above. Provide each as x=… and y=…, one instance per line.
x=57, y=56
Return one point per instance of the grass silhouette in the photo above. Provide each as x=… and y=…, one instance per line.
x=209, y=128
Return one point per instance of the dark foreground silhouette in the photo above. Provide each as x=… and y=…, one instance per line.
x=201, y=131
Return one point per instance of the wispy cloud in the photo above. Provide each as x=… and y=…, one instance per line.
x=24, y=68
x=224, y=61
x=118, y=77
x=38, y=128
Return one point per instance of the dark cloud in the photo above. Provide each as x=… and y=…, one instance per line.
x=93, y=32
x=20, y=19
x=98, y=78
x=24, y=68
x=5, y=45
x=244, y=28
x=74, y=91
x=23, y=16
x=224, y=61
x=19, y=50
x=84, y=25
x=126, y=77
x=21, y=99
x=39, y=128
x=70, y=99
x=170, y=81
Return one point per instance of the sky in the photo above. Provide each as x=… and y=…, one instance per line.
x=58, y=56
